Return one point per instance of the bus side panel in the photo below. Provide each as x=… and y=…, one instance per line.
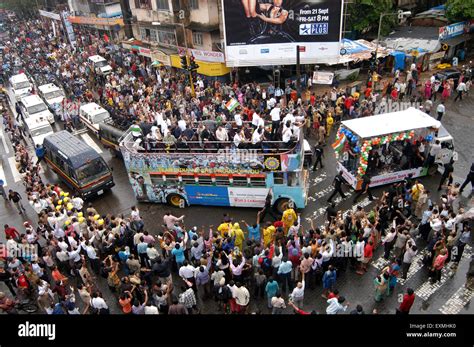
x=62, y=176
x=296, y=194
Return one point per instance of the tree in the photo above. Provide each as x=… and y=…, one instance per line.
x=460, y=10
x=20, y=7
x=363, y=16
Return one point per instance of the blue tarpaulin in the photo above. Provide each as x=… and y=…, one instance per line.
x=353, y=47
x=399, y=60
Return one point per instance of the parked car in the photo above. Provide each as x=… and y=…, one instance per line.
x=446, y=75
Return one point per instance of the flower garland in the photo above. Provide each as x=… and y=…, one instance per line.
x=367, y=146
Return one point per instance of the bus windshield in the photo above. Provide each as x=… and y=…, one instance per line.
x=41, y=131
x=21, y=85
x=53, y=94
x=91, y=171
x=99, y=118
x=101, y=63
x=37, y=108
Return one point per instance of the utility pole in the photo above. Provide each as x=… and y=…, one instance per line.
x=298, y=72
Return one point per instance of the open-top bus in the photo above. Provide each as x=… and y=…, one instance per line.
x=218, y=174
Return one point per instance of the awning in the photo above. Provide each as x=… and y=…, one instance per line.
x=456, y=40
x=359, y=50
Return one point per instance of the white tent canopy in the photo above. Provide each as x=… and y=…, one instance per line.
x=389, y=123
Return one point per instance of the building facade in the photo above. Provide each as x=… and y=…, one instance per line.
x=164, y=29
x=103, y=16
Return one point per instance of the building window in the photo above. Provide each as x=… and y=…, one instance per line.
x=153, y=35
x=145, y=34
x=194, y=4
x=143, y=4
x=162, y=5
x=166, y=36
x=197, y=39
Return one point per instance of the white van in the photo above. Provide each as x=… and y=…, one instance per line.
x=38, y=129
x=52, y=95
x=32, y=106
x=100, y=65
x=92, y=115
x=20, y=85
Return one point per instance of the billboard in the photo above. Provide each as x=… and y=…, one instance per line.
x=266, y=32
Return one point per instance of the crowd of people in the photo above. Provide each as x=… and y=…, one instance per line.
x=177, y=268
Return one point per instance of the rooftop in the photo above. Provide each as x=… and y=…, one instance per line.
x=71, y=147
x=389, y=123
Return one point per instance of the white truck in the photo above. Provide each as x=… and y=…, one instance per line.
x=92, y=115
x=52, y=95
x=38, y=128
x=32, y=106
x=100, y=65
x=20, y=86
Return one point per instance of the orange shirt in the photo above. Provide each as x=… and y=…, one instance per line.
x=126, y=305
x=57, y=276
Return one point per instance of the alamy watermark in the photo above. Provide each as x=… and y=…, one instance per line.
x=388, y=106
x=25, y=251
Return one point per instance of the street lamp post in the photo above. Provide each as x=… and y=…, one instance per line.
x=401, y=15
x=186, y=53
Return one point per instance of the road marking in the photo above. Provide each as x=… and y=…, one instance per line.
x=415, y=266
x=427, y=288
x=17, y=177
x=87, y=139
x=2, y=175
x=458, y=301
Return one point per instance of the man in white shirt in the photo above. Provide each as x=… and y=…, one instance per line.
x=237, y=140
x=241, y=296
x=221, y=134
x=182, y=124
x=434, y=151
x=238, y=120
x=461, y=89
x=441, y=109
x=257, y=137
x=290, y=117
x=276, y=116
x=297, y=296
x=335, y=305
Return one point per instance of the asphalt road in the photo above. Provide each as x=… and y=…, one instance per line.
x=449, y=296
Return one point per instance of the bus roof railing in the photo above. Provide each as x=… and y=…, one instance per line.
x=206, y=147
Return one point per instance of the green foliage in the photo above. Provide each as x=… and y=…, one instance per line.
x=364, y=16
x=460, y=10
x=20, y=7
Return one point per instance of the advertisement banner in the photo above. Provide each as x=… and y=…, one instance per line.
x=161, y=57
x=69, y=29
x=396, y=176
x=323, y=77
x=271, y=37
x=211, y=196
x=50, y=15
x=247, y=197
x=207, y=56
x=96, y=21
x=453, y=30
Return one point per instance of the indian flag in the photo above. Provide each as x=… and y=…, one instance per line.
x=232, y=104
x=339, y=144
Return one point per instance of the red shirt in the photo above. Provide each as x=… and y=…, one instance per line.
x=407, y=302
x=12, y=232
x=22, y=282
x=368, y=251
